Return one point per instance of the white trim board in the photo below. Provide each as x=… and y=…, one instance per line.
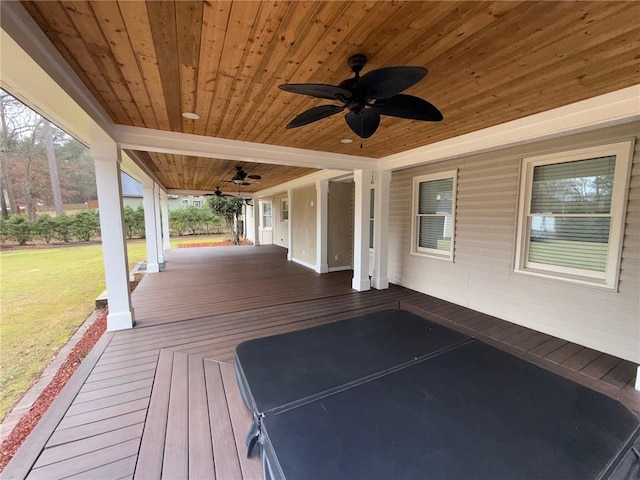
x=152, y=140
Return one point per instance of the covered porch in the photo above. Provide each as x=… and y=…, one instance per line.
x=161, y=400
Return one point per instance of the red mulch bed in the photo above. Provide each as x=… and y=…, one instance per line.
x=28, y=422
x=226, y=243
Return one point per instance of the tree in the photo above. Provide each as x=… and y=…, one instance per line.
x=18, y=124
x=47, y=135
x=228, y=208
x=85, y=224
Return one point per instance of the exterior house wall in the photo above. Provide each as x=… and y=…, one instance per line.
x=280, y=226
x=303, y=216
x=482, y=274
x=340, y=231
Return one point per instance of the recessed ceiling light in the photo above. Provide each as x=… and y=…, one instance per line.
x=346, y=140
x=191, y=115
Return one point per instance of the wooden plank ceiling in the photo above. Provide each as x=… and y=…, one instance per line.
x=488, y=62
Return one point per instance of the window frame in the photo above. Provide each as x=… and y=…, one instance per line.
x=623, y=153
x=415, y=249
x=283, y=210
x=263, y=216
x=372, y=232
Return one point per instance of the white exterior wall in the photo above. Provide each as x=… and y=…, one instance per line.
x=482, y=275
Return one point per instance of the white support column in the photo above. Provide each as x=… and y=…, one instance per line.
x=290, y=225
x=322, y=221
x=149, y=204
x=106, y=156
x=256, y=221
x=164, y=210
x=361, y=282
x=637, y=385
x=156, y=209
x=380, y=279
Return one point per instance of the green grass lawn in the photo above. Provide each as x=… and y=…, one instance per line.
x=45, y=294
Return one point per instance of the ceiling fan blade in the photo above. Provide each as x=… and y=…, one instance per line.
x=408, y=106
x=319, y=90
x=314, y=114
x=387, y=82
x=254, y=177
x=365, y=123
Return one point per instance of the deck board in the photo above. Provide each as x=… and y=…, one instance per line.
x=151, y=451
x=200, y=454
x=227, y=463
x=161, y=400
x=176, y=444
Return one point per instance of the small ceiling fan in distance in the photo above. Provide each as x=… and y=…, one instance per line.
x=217, y=193
x=241, y=176
x=366, y=98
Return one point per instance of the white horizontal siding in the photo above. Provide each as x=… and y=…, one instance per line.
x=482, y=275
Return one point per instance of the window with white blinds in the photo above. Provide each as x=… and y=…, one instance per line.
x=434, y=214
x=571, y=216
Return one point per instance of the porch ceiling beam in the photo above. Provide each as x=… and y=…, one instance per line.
x=160, y=141
x=310, y=179
x=621, y=106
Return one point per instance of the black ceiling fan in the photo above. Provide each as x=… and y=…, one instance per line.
x=217, y=193
x=241, y=176
x=375, y=93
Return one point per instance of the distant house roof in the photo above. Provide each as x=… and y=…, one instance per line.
x=130, y=186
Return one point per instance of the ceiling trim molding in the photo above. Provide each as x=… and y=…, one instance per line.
x=305, y=181
x=621, y=106
x=160, y=141
x=34, y=70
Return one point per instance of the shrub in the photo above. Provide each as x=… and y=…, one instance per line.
x=85, y=224
x=134, y=221
x=63, y=227
x=18, y=228
x=45, y=227
x=177, y=223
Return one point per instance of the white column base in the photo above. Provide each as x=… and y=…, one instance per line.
x=119, y=321
x=322, y=268
x=160, y=258
x=380, y=284
x=152, y=268
x=361, y=285
x=638, y=378
x=289, y=255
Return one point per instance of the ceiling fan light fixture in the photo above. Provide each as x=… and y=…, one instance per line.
x=366, y=97
x=191, y=115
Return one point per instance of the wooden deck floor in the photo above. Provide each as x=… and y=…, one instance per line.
x=161, y=400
